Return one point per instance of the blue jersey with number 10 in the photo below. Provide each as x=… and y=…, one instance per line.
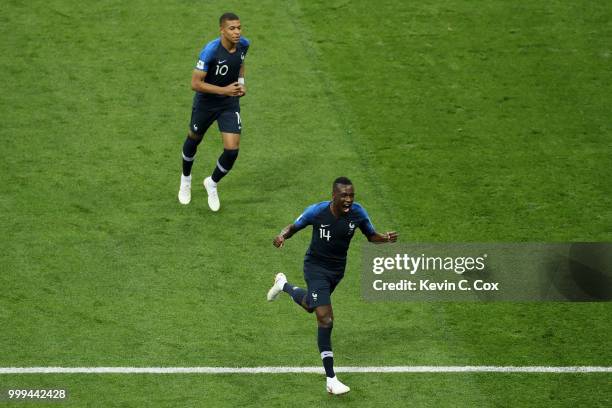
x=221, y=66
x=332, y=236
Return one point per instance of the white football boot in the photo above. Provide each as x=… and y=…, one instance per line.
x=184, y=194
x=279, y=281
x=334, y=386
x=213, y=197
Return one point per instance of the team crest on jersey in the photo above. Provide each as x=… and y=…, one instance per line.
x=351, y=228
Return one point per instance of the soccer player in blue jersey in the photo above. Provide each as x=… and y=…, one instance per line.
x=333, y=226
x=218, y=82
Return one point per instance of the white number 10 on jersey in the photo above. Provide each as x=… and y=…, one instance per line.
x=221, y=70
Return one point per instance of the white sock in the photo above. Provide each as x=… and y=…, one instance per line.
x=185, y=179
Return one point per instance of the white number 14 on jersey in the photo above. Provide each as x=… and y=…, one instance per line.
x=323, y=233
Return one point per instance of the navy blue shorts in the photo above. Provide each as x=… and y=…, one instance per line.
x=321, y=284
x=227, y=116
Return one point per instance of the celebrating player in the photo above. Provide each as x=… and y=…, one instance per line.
x=218, y=82
x=333, y=225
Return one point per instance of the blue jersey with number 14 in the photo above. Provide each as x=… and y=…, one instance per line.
x=332, y=236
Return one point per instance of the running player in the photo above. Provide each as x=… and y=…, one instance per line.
x=333, y=225
x=218, y=82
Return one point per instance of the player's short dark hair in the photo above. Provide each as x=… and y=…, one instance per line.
x=226, y=17
x=342, y=180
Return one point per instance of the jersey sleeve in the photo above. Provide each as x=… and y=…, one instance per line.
x=245, y=45
x=206, y=56
x=365, y=225
x=306, y=217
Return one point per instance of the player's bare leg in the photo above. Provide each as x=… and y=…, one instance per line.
x=231, y=141
x=231, y=144
x=325, y=316
x=325, y=321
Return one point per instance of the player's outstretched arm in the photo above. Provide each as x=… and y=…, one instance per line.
x=379, y=238
x=286, y=233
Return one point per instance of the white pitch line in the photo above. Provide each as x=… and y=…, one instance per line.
x=312, y=370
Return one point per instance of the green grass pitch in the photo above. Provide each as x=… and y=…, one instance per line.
x=458, y=121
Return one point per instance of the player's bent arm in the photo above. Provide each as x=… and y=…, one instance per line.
x=286, y=233
x=378, y=238
x=198, y=85
x=241, y=81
